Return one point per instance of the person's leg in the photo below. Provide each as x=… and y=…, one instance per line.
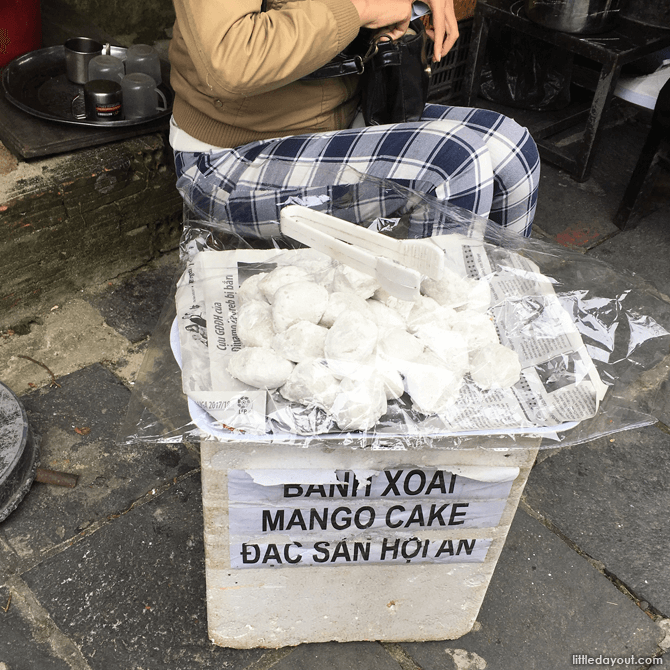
x=514, y=159
x=248, y=186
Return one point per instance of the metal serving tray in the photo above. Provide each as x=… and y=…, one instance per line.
x=37, y=83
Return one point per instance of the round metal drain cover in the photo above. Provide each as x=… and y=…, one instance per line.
x=18, y=453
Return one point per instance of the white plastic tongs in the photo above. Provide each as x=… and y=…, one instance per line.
x=397, y=265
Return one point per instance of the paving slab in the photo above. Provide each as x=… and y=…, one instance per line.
x=575, y=215
x=611, y=498
x=132, y=595
x=65, y=338
x=334, y=656
x=19, y=647
x=651, y=391
x=133, y=306
x=28, y=636
x=77, y=424
x=642, y=250
x=545, y=603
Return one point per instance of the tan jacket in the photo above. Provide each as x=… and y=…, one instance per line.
x=236, y=70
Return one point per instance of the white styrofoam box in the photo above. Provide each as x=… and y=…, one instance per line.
x=337, y=544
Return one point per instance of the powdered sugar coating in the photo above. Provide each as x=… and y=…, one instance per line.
x=301, y=341
x=280, y=276
x=261, y=367
x=353, y=337
x=311, y=383
x=494, y=366
x=298, y=301
x=254, y=324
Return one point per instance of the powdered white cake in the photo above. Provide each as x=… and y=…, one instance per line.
x=301, y=341
x=260, y=367
x=254, y=323
x=495, y=366
x=298, y=301
x=312, y=329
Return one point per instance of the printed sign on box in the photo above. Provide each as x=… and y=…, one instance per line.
x=281, y=518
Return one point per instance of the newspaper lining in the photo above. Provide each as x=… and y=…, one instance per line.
x=559, y=383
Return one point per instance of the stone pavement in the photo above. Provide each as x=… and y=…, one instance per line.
x=110, y=574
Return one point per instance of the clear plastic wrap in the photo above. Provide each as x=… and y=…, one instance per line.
x=583, y=335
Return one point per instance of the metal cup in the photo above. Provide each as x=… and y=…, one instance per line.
x=79, y=51
x=106, y=67
x=143, y=58
x=141, y=96
x=102, y=101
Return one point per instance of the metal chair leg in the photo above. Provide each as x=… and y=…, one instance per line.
x=640, y=183
x=641, y=180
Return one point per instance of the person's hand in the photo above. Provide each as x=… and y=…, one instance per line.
x=396, y=31
x=390, y=17
x=444, y=31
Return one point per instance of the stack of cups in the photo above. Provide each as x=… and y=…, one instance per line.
x=108, y=80
x=140, y=85
x=143, y=58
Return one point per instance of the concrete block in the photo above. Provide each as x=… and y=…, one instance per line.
x=84, y=217
x=405, y=554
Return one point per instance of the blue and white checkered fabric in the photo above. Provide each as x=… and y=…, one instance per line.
x=473, y=158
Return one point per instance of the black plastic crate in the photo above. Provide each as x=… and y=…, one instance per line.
x=448, y=76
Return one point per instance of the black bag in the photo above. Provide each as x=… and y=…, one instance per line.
x=394, y=75
x=395, y=79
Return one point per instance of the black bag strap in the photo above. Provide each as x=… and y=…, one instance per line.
x=388, y=52
x=363, y=49
x=354, y=57
x=344, y=64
